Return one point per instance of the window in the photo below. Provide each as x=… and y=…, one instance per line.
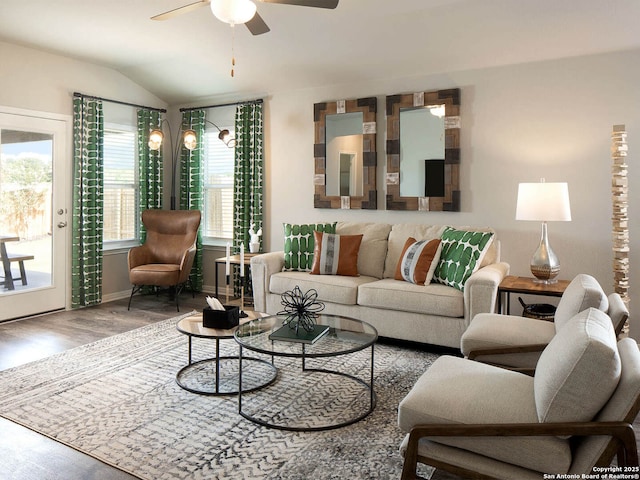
x=218, y=187
x=120, y=185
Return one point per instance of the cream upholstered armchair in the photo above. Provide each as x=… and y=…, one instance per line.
x=517, y=342
x=481, y=421
x=166, y=257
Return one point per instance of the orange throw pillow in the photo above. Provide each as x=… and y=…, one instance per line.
x=418, y=261
x=335, y=254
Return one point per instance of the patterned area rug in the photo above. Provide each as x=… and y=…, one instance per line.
x=117, y=400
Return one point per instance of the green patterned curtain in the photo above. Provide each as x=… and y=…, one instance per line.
x=86, y=268
x=248, y=179
x=192, y=183
x=150, y=166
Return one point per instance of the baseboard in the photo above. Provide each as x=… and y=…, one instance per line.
x=110, y=297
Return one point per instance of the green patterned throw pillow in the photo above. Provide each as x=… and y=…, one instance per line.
x=461, y=255
x=299, y=243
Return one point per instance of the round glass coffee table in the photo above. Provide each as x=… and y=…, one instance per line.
x=327, y=392
x=219, y=375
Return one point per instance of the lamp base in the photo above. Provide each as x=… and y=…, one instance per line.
x=544, y=263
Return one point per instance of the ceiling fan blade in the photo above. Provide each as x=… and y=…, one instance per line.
x=257, y=26
x=306, y=3
x=180, y=10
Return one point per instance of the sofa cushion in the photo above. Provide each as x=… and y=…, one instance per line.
x=299, y=243
x=432, y=299
x=335, y=254
x=462, y=252
x=418, y=261
x=460, y=391
x=492, y=330
x=583, y=292
x=330, y=288
x=579, y=369
x=373, y=249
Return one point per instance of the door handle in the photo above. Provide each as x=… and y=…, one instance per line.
x=62, y=224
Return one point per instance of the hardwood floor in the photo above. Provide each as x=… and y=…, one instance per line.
x=27, y=455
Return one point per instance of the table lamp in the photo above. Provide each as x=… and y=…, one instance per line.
x=544, y=202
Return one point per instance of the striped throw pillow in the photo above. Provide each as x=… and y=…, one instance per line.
x=418, y=261
x=336, y=254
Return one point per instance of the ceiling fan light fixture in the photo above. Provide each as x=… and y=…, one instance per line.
x=233, y=12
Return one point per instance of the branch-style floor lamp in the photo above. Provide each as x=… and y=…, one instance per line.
x=189, y=141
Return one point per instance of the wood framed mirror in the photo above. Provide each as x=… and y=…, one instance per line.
x=345, y=154
x=423, y=151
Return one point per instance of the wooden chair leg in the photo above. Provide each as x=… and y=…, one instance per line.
x=8, y=278
x=23, y=273
x=410, y=459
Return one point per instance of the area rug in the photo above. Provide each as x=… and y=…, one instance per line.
x=117, y=400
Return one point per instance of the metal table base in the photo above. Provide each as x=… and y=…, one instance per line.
x=357, y=418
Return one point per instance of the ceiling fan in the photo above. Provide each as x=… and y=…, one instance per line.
x=235, y=12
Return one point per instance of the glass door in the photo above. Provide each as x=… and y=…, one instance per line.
x=33, y=213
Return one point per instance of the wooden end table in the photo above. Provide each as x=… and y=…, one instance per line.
x=528, y=286
x=234, y=260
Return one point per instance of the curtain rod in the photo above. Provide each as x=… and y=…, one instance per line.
x=161, y=110
x=188, y=109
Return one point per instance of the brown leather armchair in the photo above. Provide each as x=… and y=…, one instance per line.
x=166, y=257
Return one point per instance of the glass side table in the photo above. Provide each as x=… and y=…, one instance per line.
x=330, y=395
x=219, y=375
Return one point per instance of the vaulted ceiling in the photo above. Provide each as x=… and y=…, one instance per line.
x=189, y=57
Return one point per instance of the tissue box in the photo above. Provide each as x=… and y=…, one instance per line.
x=226, y=319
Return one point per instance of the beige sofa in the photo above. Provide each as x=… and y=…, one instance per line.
x=435, y=314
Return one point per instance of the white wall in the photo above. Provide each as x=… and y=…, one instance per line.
x=519, y=123
x=36, y=80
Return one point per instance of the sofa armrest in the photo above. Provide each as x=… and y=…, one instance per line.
x=481, y=290
x=620, y=431
x=262, y=267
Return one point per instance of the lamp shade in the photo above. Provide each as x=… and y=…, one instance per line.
x=189, y=139
x=227, y=138
x=155, y=139
x=543, y=202
x=233, y=12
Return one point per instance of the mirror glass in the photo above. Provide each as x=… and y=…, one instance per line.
x=344, y=166
x=344, y=151
x=421, y=153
